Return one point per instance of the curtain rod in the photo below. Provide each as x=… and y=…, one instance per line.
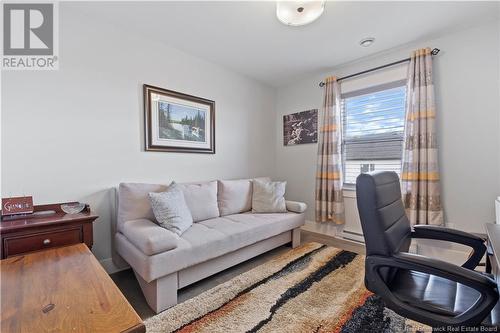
x=434, y=52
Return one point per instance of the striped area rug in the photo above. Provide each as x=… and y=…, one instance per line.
x=313, y=288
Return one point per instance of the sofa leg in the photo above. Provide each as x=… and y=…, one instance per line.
x=161, y=293
x=295, y=237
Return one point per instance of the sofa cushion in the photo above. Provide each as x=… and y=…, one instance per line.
x=149, y=237
x=209, y=239
x=201, y=199
x=170, y=209
x=268, y=197
x=133, y=201
x=234, y=196
x=274, y=223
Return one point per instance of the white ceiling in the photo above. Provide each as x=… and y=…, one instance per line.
x=247, y=38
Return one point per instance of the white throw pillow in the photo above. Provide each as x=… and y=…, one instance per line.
x=268, y=197
x=171, y=210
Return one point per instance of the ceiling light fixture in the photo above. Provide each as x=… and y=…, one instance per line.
x=297, y=13
x=365, y=42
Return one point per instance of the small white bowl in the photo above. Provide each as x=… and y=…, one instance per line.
x=73, y=208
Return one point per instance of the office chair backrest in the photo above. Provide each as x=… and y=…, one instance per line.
x=383, y=218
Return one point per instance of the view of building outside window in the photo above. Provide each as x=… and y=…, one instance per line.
x=373, y=128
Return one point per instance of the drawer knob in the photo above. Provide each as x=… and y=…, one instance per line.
x=46, y=241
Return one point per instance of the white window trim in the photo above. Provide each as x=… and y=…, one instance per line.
x=387, y=75
x=374, y=89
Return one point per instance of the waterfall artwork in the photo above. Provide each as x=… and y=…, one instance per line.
x=177, y=122
x=180, y=122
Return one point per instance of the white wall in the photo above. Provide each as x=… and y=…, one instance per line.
x=75, y=133
x=497, y=214
x=467, y=90
x=92, y=106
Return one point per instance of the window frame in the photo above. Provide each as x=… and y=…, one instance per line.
x=355, y=93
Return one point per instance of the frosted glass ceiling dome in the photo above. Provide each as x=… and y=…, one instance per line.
x=298, y=13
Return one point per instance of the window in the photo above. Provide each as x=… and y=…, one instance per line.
x=372, y=129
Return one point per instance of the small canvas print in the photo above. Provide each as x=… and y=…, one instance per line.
x=180, y=122
x=300, y=128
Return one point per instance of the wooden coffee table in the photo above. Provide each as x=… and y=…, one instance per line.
x=62, y=290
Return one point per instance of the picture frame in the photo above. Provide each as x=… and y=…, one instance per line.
x=178, y=122
x=300, y=128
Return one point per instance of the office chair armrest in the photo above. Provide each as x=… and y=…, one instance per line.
x=455, y=236
x=486, y=287
x=446, y=270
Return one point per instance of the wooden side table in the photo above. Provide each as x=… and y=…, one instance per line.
x=62, y=289
x=21, y=235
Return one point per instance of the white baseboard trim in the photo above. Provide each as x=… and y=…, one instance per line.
x=110, y=267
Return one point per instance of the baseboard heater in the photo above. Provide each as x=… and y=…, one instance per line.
x=352, y=235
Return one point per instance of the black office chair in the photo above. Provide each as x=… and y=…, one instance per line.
x=430, y=291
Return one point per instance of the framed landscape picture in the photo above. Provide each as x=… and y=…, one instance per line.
x=300, y=128
x=177, y=122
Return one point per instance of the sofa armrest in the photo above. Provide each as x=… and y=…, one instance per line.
x=296, y=206
x=148, y=236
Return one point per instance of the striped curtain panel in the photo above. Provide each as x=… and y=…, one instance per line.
x=420, y=171
x=329, y=198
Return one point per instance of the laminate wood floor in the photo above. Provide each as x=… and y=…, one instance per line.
x=126, y=281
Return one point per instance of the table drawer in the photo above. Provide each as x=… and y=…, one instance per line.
x=16, y=245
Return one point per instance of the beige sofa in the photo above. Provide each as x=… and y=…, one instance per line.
x=225, y=232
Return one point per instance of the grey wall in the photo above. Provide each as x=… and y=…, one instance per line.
x=468, y=106
x=75, y=133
